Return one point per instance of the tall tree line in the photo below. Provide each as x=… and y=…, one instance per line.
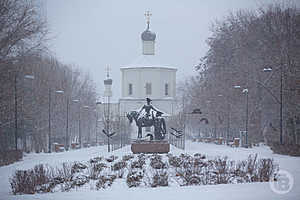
x=249, y=53
x=35, y=86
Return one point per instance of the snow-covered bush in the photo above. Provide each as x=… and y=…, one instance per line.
x=96, y=159
x=80, y=180
x=105, y=181
x=199, y=171
x=119, y=168
x=95, y=170
x=77, y=167
x=134, y=178
x=174, y=161
x=112, y=158
x=157, y=163
x=127, y=157
x=65, y=172
x=160, y=178
x=30, y=181
x=143, y=170
x=118, y=165
x=139, y=163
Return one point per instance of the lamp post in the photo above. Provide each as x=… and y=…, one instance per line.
x=49, y=117
x=107, y=122
x=246, y=91
x=97, y=116
x=31, y=77
x=67, y=125
x=89, y=130
x=247, y=105
x=108, y=93
x=79, y=121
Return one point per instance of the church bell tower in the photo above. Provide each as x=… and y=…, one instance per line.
x=148, y=38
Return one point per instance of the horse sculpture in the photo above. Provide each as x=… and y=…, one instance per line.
x=156, y=121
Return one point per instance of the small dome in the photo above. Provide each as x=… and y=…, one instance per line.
x=147, y=35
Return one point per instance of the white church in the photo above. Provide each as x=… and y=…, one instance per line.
x=147, y=77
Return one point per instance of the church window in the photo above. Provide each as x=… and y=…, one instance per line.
x=166, y=89
x=130, y=89
x=148, y=89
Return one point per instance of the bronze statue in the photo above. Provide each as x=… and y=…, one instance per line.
x=149, y=120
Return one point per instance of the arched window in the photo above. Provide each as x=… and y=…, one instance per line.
x=130, y=89
x=148, y=89
x=166, y=89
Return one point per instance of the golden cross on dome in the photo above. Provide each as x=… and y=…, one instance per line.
x=107, y=69
x=148, y=15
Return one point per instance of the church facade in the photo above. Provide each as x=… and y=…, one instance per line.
x=146, y=77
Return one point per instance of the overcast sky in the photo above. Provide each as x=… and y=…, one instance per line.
x=95, y=33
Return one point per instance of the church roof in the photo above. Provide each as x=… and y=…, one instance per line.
x=147, y=61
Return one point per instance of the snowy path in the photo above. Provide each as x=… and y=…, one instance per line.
x=119, y=190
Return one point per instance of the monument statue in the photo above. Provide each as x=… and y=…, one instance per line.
x=149, y=119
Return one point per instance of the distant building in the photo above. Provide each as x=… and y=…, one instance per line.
x=147, y=77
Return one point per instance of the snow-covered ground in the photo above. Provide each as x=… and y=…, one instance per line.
x=120, y=190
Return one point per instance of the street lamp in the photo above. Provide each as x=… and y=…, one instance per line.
x=89, y=130
x=79, y=120
x=246, y=91
x=49, y=118
x=31, y=77
x=67, y=125
x=97, y=116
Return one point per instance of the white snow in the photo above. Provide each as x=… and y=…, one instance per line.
x=120, y=190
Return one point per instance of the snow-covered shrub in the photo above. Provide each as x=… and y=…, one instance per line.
x=80, y=180
x=174, y=161
x=30, y=181
x=96, y=159
x=157, y=163
x=119, y=168
x=137, y=164
x=193, y=180
x=134, y=178
x=95, y=170
x=105, y=181
x=221, y=172
x=111, y=158
x=160, y=178
x=127, y=157
x=188, y=177
x=65, y=172
x=200, y=156
x=141, y=157
x=266, y=170
x=118, y=165
x=143, y=170
x=22, y=182
x=77, y=167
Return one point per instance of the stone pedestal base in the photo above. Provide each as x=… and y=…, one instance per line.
x=150, y=147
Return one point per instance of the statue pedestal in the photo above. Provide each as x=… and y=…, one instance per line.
x=140, y=146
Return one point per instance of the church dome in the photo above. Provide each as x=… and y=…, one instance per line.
x=147, y=35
